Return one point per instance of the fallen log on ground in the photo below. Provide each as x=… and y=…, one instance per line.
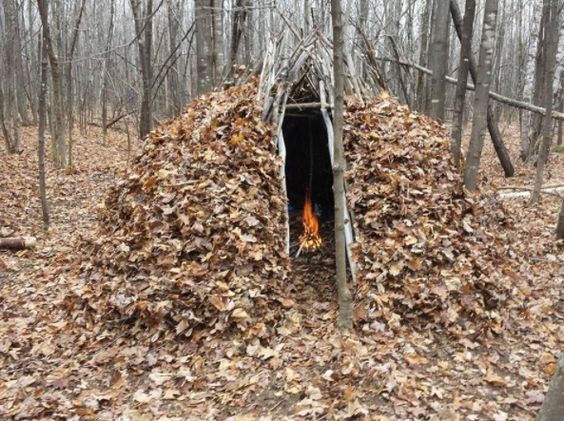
x=523, y=191
x=17, y=243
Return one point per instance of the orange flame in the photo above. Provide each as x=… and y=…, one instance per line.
x=310, y=238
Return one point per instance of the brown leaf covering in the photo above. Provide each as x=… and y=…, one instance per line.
x=193, y=236
x=428, y=253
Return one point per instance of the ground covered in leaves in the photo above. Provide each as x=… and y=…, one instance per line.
x=92, y=329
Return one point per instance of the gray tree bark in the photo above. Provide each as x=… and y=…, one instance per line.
x=560, y=224
x=521, y=66
x=216, y=8
x=237, y=26
x=59, y=144
x=173, y=86
x=495, y=135
x=479, y=122
x=14, y=52
x=203, y=45
x=464, y=66
x=497, y=73
x=560, y=108
x=423, y=55
x=11, y=144
x=550, y=48
x=438, y=59
x=362, y=29
x=553, y=406
x=105, y=77
x=539, y=82
x=9, y=94
x=144, y=32
x=68, y=76
x=344, y=294
x=307, y=16
x=42, y=120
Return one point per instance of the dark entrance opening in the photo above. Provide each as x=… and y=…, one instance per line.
x=308, y=171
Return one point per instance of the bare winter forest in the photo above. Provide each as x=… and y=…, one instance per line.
x=282, y=209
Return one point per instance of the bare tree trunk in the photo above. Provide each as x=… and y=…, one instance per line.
x=173, y=86
x=521, y=68
x=144, y=32
x=344, y=294
x=68, y=75
x=20, y=77
x=550, y=48
x=498, y=58
x=15, y=64
x=361, y=30
x=9, y=94
x=209, y=43
x=561, y=107
x=539, y=82
x=216, y=9
x=29, y=35
x=248, y=35
x=479, y=123
x=423, y=55
x=560, y=224
x=11, y=147
x=58, y=133
x=439, y=58
x=307, y=16
x=500, y=149
x=104, y=95
x=559, y=135
x=203, y=45
x=237, y=26
x=460, y=95
x=42, y=117
x=553, y=405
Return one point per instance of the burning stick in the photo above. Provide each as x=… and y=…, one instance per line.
x=299, y=251
x=310, y=239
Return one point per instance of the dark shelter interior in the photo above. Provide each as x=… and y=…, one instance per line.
x=308, y=163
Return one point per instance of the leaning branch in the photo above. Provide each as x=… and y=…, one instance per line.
x=493, y=95
x=114, y=121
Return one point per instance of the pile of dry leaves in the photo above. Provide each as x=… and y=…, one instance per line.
x=428, y=253
x=193, y=235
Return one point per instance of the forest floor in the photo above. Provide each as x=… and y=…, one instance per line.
x=51, y=369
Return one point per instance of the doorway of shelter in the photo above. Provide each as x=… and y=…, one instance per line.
x=309, y=176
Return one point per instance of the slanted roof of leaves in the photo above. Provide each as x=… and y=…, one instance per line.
x=193, y=235
x=427, y=252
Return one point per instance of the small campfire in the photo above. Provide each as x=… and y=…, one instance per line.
x=310, y=239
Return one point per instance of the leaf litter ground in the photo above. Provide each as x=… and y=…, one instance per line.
x=73, y=346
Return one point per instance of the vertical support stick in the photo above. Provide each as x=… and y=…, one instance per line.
x=278, y=114
x=349, y=235
x=344, y=294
